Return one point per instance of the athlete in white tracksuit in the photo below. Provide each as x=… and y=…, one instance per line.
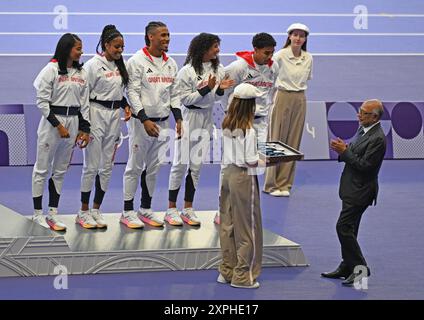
x=62, y=97
x=107, y=77
x=201, y=83
x=153, y=94
x=257, y=68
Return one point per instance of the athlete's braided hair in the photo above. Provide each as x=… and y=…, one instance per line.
x=149, y=28
x=109, y=33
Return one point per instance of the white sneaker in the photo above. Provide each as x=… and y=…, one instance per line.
x=85, y=220
x=173, y=217
x=39, y=218
x=280, y=193
x=149, y=217
x=53, y=220
x=189, y=216
x=221, y=279
x=130, y=219
x=253, y=286
x=98, y=217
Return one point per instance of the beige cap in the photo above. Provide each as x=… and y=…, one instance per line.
x=246, y=91
x=298, y=26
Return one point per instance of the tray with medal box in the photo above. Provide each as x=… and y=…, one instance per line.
x=276, y=151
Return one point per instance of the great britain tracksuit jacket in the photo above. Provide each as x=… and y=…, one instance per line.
x=153, y=89
x=69, y=90
x=244, y=70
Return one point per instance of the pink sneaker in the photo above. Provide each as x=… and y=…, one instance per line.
x=173, y=217
x=130, y=219
x=149, y=217
x=217, y=219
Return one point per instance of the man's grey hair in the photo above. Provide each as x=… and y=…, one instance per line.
x=378, y=108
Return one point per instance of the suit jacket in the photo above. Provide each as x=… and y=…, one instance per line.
x=363, y=159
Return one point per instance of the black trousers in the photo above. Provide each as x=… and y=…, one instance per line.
x=347, y=230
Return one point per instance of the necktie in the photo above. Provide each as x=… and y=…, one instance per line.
x=359, y=134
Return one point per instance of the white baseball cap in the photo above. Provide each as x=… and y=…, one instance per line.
x=298, y=26
x=246, y=91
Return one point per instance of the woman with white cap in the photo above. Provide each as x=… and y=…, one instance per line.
x=288, y=113
x=239, y=203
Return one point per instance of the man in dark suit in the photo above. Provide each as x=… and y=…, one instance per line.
x=358, y=188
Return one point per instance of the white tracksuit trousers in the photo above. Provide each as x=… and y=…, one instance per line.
x=100, y=152
x=146, y=154
x=190, y=151
x=53, y=153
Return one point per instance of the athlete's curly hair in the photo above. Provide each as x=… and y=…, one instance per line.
x=199, y=45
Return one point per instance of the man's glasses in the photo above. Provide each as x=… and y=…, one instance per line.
x=363, y=113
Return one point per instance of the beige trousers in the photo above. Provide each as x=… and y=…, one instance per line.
x=241, y=226
x=287, y=121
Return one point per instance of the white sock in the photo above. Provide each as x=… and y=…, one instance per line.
x=81, y=212
x=52, y=210
x=126, y=213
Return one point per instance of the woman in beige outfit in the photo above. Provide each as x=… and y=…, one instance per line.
x=288, y=113
x=240, y=231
